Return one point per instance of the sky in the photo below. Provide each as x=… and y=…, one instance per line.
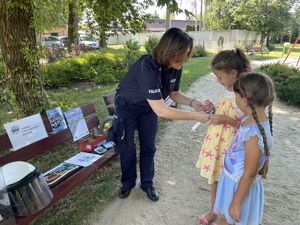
x=183, y=4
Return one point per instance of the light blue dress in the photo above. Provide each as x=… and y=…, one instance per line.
x=252, y=207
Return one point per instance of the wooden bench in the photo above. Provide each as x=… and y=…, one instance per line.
x=42, y=146
x=254, y=50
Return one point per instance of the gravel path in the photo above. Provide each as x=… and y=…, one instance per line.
x=184, y=195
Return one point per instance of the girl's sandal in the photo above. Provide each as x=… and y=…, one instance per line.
x=202, y=220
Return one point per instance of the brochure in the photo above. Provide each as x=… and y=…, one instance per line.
x=56, y=119
x=83, y=159
x=59, y=173
x=77, y=123
x=26, y=131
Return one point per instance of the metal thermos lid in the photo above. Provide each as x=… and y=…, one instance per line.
x=14, y=172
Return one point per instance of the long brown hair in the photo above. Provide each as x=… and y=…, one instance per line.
x=258, y=89
x=172, y=47
x=229, y=60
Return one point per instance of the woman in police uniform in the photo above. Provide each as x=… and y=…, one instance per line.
x=139, y=102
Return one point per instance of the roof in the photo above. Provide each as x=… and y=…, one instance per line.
x=160, y=24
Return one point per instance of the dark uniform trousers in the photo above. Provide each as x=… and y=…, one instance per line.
x=128, y=118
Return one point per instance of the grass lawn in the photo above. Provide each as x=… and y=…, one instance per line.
x=276, y=53
x=98, y=190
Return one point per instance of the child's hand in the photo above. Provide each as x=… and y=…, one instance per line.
x=203, y=117
x=197, y=105
x=208, y=105
x=234, y=211
x=217, y=119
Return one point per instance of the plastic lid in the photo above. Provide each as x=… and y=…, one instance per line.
x=16, y=171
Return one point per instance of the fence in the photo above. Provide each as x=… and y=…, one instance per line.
x=223, y=39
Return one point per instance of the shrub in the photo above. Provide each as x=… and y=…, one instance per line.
x=53, y=54
x=131, y=57
x=150, y=44
x=199, y=51
x=286, y=80
x=132, y=45
x=190, y=27
x=103, y=67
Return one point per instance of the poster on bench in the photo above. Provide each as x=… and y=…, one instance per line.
x=25, y=131
x=77, y=123
x=56, y=119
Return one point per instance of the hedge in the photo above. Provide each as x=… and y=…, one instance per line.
x=286, y=80
x=102, y=67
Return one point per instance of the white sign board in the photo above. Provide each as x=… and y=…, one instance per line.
x=26, y=131
x=77, y=123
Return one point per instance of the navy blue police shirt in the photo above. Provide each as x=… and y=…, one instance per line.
x=146, y=79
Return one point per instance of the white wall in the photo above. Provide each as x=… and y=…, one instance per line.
x=232, y=38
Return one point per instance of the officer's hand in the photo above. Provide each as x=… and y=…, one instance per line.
x=208, y=105
x=197, y=105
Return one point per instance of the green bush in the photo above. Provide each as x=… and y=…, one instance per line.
x=131, y=57
x=286, y=80
x=190, y=27
x=132, y=45
x=150, y=44
x=102, y=67
x=199, y=51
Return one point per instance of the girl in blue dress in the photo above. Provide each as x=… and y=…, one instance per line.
x=240, y=192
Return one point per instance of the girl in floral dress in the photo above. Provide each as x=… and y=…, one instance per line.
x=227, y=65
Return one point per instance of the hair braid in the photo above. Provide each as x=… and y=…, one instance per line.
x=271, y=118
x=264, y=169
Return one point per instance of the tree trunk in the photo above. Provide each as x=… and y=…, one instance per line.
x=103, y=39
x=18, y=46
x=263, y=38
x=168, y=19
x=204, y=19
x=201, y=10
x=268, y=41
x=72, y=25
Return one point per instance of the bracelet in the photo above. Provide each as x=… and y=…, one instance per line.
x=212, y=111
x=192, y=101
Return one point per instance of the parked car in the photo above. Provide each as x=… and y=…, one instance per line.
x=52, y=42
x=89, y=42
x=64, y=40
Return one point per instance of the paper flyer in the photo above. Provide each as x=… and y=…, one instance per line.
x=83, y=159
x=59, y=173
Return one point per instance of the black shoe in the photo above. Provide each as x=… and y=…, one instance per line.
x=152, y=194
x=124, y=192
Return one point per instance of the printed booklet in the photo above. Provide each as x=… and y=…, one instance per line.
x=59, y=173
x=56, y=119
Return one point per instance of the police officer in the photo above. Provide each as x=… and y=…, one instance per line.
x=139, y=102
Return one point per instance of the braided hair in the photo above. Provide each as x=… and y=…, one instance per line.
x=259, y=90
